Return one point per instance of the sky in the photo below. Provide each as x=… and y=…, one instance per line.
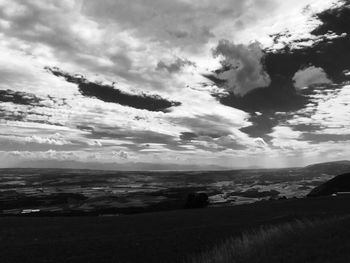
x=180, y=84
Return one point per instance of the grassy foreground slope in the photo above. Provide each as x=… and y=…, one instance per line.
x=154, y=237
x=311, y=241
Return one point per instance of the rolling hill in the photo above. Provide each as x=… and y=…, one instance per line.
x=340, y=183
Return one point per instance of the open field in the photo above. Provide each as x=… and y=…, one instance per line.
x=153, y=237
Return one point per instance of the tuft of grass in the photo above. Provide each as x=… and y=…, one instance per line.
x=298, y=241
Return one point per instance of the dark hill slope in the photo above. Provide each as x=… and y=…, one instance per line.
x=338, y=167
x=340, y=183
x=152, y=237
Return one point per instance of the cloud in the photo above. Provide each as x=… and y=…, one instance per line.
x=328, y=113
x=213, y=126
x=174, y=66
x=267, y=101
x=286, y=138
x=260, y=142
x=148, y=47
x=284, y=132
x=119, y=40
x=325, y=137
x=188, y=136
x=309, y=76
x=176, y=23
x=44, y=155
x=232, y=141
x=56, y=139
x=95, y=143
x=242, y=66
x=120, y=154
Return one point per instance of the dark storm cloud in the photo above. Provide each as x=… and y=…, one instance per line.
x=331, y=55
x=175, y=66
x=17, y=97
x=21, y=107
x=336, y=20
x=327, y=58
x=109, y=93
x=280, y=96
x=26, y=116
x=262, y=125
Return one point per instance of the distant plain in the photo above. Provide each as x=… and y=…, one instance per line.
x=65, y=191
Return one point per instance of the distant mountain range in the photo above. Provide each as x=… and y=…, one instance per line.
x=340, y=183
x=336, y=167
x=127, y=166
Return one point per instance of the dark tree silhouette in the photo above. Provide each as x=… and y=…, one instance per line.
x=197, y=200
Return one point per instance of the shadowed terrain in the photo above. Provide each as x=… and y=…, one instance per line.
x=154, y=237
x=296, y=241
x=339, y=184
